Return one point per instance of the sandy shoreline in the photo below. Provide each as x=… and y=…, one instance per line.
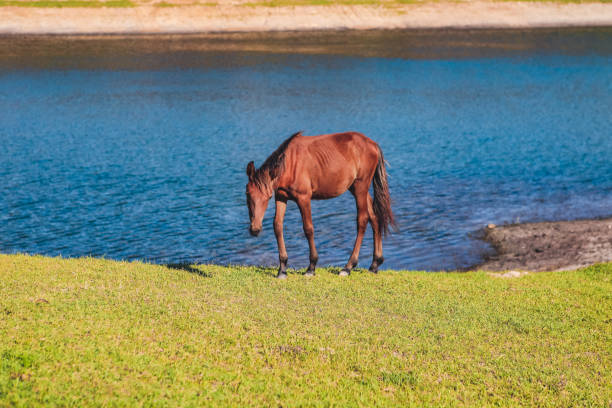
x=544, y=246
x=229, y=17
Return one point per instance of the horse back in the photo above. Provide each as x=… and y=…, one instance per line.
x=325, y=166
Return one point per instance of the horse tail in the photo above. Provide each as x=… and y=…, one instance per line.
x=382, y=199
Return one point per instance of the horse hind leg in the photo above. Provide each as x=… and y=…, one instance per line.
x=361, y=199
x=377, y=258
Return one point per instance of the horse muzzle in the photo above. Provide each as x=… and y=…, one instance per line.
x=254, y=232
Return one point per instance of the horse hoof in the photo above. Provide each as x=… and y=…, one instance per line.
x=373, y=270
x=344, y=272
x=309, y=273
x=281, y=276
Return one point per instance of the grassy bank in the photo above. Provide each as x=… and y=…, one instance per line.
x=84, y=332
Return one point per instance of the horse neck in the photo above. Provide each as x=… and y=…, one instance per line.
x=274, y=184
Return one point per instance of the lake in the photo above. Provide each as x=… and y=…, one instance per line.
x=136, y=148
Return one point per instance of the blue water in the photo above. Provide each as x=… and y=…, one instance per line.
x=149, y=163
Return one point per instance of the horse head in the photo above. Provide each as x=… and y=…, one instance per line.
x=257, y=194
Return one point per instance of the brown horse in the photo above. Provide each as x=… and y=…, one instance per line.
x=321, y=167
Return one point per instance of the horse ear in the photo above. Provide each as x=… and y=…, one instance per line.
x=250, y=170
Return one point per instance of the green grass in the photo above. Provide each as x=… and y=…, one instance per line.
x=67, y=3
x=93, y=332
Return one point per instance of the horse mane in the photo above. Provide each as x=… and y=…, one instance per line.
x=273, y=166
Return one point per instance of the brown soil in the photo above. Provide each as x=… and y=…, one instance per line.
x=545, y=246
x=231, y=16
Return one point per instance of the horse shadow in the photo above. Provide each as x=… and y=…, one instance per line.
x=266, y=270
x=272, y=271
x=183, y=266
x=334, y=270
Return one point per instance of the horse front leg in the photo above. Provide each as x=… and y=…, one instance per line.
x=304, y=205
x=281, y=206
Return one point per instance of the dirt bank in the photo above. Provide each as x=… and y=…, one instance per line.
x=549, y=245
x=237, y=17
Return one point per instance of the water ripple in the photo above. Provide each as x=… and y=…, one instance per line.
x=149, y=164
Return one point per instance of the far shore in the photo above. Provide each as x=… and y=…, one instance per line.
x=151, y=18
